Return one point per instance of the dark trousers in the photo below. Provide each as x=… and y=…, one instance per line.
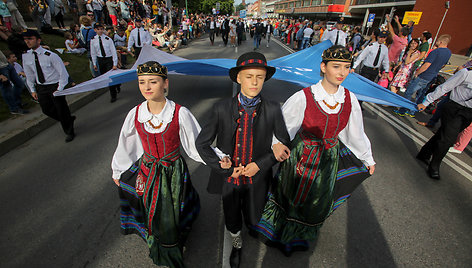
x=454, y=119
x=370, y=73
x=235, y=206
x=212, y=36
x=224, y=35
x=240, y=38
x=59, y=20
x=55, y=107
x=105, y=65
x=137, y=51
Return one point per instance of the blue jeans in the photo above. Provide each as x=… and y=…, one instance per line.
x=98, y=15
x=305, y=42
x=414, y=85
x=11, y=95
x=257, y=40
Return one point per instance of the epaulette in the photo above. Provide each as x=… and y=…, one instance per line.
x=47, y=53
x=106, y=38
x=469, y=68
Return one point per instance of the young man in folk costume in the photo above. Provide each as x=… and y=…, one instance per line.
x=243, y=127
x=158, y=201
x=320, y=172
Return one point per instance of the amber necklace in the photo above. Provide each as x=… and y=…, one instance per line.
x=332, y=107
x=153, y=126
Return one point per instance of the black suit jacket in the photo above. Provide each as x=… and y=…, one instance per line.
x=222, y=127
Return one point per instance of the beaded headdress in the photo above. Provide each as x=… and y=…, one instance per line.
x=152, y=68
x=337, y=53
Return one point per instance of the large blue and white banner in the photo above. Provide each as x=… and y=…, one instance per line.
x=301, y=68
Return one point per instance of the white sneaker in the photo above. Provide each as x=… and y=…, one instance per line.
x=454, y=150
x=402, y=89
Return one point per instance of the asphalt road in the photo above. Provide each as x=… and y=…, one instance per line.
x=60, y=206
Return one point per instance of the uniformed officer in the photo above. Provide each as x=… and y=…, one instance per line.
x=337, y=36
x=138, y=38
x=46, y=73
x=374, y=57
x=104, y=56
x=456, y=115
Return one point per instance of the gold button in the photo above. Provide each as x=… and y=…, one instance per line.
x=237, y=158
x=239, y=145
x=240, y=129
x=240, y=113
x=255, y=113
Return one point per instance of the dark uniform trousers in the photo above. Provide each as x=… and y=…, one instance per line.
x=137, y=51
x=454, y=119
x=370, y=73
x=105, y=64
x=55, y=107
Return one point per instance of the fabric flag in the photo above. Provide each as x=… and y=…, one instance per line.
x=301, y=68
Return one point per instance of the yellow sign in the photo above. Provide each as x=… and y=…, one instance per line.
x=412, y=16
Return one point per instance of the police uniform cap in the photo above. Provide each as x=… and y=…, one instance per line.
x=31, y=33
x=98, y=25
x=383, y=34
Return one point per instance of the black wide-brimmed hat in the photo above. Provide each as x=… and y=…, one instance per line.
x=251, y=59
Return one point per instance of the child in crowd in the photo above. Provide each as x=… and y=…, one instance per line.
x=386, y=78
x=5, y=14
x=72, y=44
x=120, y=43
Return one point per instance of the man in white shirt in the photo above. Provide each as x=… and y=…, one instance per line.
x=337, y=36
x=46, y=73
x=374, y=56
x=307, y=35
x=104, y=56
x=138, y=38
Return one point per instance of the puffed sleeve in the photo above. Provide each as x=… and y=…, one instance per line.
x=354, y=137
x=189, y=130
x=293, y=111
x=129, y=148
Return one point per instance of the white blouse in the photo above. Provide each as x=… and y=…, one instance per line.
x=353, y=135
x=130, y=148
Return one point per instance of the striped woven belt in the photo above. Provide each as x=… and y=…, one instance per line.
x=307, y=166
x=154, y=164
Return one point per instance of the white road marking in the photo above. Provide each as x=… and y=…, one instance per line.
x=451, y=160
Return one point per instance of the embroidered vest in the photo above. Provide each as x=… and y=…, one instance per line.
x=243, y=146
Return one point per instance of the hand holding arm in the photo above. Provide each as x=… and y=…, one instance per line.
x=250, y=170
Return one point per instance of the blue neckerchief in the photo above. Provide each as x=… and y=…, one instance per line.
x=249, y=104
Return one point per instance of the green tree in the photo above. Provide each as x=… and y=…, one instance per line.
x=240, y=7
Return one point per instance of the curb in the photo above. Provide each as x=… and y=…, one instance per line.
x=42, y=123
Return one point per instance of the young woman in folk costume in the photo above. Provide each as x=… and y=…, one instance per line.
x=158, y=201
x=318, y=172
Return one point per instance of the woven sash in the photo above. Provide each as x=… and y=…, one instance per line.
x=143, y=184
x=307, y=166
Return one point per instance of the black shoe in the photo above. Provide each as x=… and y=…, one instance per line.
x=118, y=89
x=70, y=137
x=433, y=173
x=423, y=159
x=113, y=100
x=235, y=258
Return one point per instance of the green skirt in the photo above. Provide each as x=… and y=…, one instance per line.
x=305, y=192
x=176, y=208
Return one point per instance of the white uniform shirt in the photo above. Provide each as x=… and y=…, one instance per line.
x=368, y=56
x=461, y=86
x=130, y=148
x=353, y=135
x=212, y=25
x=145, y=37
x=331, y=35
x=109, y=47
x=53, y=69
